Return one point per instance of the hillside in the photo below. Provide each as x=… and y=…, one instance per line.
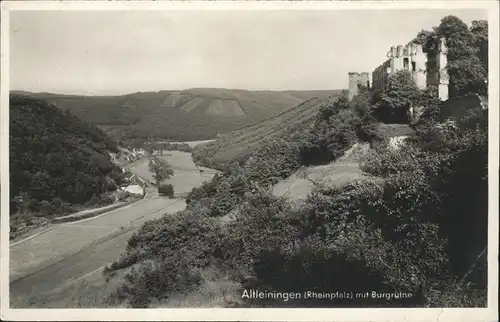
x=334, y=174
x=242, y=142
x=56, y=162
x=193, y=114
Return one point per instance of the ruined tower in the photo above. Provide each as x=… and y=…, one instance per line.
x=418, y=60
x=356, y=80
x=442, y=62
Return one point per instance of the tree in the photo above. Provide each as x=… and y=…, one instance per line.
x=479, y=30
x=401, y=93
x=431, y=107
x=428, y=39
x=467, y=76
x=467, y=72
x=457, y=35
x=161, y=170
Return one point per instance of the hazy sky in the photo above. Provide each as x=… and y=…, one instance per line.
x=121, y=52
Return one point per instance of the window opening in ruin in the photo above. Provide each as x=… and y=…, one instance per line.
x=413, y=66
x=405, y=63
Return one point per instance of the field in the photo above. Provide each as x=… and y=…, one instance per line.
x=186, y=174
x=171, y=100
x=193, y=114
x=193, y=104
x=225, y=107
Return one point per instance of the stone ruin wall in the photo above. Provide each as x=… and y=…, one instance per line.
x=427, y=70
x=355, y=81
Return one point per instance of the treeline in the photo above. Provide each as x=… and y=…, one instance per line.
x=417, y=224
x=151, y=145
x=184, y=147
x=56, y=160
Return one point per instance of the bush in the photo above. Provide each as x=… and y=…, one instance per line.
x=169, y=251
x=206, y=190
x=106, y=200
x=338, y=126
x=109, y=184
x=157, y=280
x=166, y=190
x=195, y=236
x=34, y=205
x=264, y=220
x=47, y=207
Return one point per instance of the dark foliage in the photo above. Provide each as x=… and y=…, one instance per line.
x=338, y=126
x=166, y=190
x=401, y=94
x=157, y=280
x=55, y=158
x=168, y=251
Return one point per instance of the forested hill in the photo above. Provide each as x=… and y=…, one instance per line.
x=55, y=158
x=187, y=115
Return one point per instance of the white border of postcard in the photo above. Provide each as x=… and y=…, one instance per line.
x=434, y=314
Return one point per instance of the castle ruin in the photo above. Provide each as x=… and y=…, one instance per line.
x=355, y=81
x=427, y=69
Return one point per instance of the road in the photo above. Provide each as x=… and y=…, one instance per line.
x=68, y=251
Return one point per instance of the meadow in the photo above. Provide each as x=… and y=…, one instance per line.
x=186, y=174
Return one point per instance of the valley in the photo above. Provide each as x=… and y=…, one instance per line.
x=66, y=252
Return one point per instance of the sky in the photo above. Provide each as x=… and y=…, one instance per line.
x=110, y=52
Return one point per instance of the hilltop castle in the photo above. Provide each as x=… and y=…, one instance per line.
x=427, y=70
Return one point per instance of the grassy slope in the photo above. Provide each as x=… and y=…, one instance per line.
x=239, y=143
x=179, y=115
x=337, y=173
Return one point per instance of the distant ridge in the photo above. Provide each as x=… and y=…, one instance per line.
x=182, y=115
